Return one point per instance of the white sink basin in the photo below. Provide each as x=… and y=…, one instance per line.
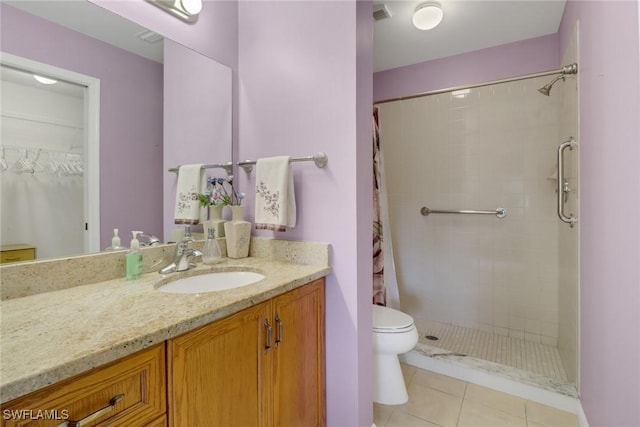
x=211, y=282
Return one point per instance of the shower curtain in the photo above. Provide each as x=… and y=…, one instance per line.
x=385, y=285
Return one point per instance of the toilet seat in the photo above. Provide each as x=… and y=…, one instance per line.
x=386, y=320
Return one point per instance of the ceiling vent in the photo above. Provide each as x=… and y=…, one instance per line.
x=149, y=36
x=381, y=12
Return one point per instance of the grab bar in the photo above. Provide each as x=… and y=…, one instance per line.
x=563, y=185
x=500, y=212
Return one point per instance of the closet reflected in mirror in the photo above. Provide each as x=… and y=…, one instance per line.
x=42, y=165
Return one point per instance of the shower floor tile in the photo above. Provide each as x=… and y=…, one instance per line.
x=525, y=361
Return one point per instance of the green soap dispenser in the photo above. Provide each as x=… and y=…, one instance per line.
x=133, y=259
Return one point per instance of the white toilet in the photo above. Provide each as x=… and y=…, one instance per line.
x=393, y=333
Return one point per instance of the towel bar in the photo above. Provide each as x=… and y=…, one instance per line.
x=226, y=166
x=320, y=159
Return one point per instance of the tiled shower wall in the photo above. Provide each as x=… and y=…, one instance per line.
x=492, y=147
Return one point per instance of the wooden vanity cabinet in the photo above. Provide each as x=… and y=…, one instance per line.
x=298, y=375
x=263, y=366
x=134, y=388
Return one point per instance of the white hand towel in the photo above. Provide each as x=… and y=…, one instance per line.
x=275, y=198
x=191, y=182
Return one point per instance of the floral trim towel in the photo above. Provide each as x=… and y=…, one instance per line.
x=275, y=198
x=191, y=182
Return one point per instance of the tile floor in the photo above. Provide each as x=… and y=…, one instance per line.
x=438, y=400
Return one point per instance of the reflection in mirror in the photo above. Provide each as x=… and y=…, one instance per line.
x=43, y=148
x=84, y=38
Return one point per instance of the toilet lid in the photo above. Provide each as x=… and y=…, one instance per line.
x=388, y=318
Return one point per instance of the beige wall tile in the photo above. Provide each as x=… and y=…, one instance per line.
x=492, y=148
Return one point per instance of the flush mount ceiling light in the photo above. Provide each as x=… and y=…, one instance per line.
x=187, y=10
x=44, y=80
x=427, y=15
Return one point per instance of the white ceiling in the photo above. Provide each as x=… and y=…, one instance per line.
x=467, y=25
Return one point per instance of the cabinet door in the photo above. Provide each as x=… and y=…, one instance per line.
x=219, y=373
x=299, y=372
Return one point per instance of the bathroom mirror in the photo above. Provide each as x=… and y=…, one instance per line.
x=131, y=119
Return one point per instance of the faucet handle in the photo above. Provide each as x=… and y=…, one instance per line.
x=181, y=247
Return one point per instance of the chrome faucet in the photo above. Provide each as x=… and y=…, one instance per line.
x=147, y=239
x=181, y=261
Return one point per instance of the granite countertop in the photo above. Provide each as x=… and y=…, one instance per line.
x=48, y=337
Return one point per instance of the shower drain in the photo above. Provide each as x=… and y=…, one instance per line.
x=431, y=337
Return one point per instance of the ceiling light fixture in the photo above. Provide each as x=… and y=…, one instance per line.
x=186, y=10
x=427, y=15
x=44, y=80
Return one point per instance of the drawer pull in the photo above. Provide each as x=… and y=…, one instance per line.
x=279, y=336
x=269, y=334
x=98, y=414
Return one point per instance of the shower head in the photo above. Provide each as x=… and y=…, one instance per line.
x=566, y=70
x=546, y=89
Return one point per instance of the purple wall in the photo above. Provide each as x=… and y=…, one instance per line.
x=304, y=83
x=214, y=34
x=514, y=59
x=364, y=206
x=130, y=127
x=197, y=111
x=609, y=87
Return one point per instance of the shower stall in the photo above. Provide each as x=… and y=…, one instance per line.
x=495, y=285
